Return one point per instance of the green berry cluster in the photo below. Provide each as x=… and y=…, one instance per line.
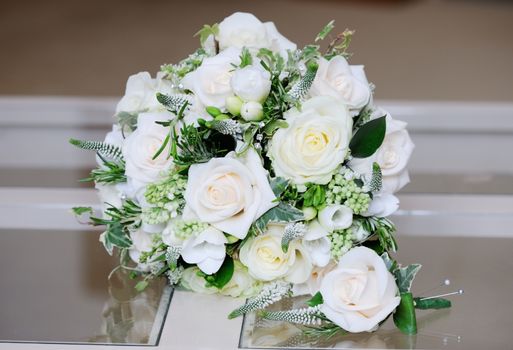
x=346, y=191
x=185, y=229
x=166, y=198
x=341, y=242
x=155, y=215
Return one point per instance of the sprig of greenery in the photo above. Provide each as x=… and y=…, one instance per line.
x=127, y=120
x=383, y=229
x=246, y=59
x=300, y=89
x=109, y=173
x=207, y=31
x=339, y=45
x=325, y=31
x=103, y=149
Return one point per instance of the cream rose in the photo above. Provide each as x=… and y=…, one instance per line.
x=141, y=91
x=338, y=79
x=251, y=83
x=230, y=193
x=243, y=29
x=207, y=250
x=241, y=284
x=392, y=156
x=266, y=260
x=314, y=144
x=360, y=292
x=210, y=82
x=313, y=284
x=140, y=147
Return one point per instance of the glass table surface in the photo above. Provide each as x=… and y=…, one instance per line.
x=60, y=286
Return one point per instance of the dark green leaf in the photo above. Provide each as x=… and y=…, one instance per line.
x=315, y=300
x=404, y=316
x=434, y=303
x=223, y=276
x=368, y=138
x=117, y=237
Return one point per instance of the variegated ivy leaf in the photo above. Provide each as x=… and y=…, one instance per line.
x=389, y=262
x=405, y=276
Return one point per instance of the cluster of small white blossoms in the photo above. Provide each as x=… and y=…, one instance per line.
x=247, y=165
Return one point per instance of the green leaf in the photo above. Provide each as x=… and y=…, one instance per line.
x=141, y=285
x=279, y=185
x=276, y=124
x=405, y=276
x=115, y=235
x=433, y=303
x=315, y=300
x=82, y=210
x=404, y=316
x=390, y=263
x=325, y=31
x=368, y=138
x=315, y=196
x=206, y=31
x=282, y=213
x=213, y=111
x=245, y=58
x=223, y=276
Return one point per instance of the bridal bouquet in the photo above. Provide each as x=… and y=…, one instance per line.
x=256, y=169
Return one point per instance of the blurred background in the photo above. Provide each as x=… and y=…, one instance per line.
x=418, y=49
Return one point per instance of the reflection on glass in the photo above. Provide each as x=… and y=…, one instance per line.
x=55, y=288
x=132, y=317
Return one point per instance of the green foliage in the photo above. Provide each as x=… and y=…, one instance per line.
x=404, y=316
x=315, y=196
x=82, y=210
x=174, y=103
x=223, y=276
x=390, y=263
x=302, y=316
x=339, y=45
x=432, y=303
x=274, y=125
x=405, y=276
x=213, y=111
x=315, y=300
x=109, y=173
x=377, y=178
x=270, y=293
x=325, y=31
x=279, y=185
x=176, y=72
x=206, y=31
x=300, y=89
x=282, y=213
x=245, y=58
x=118, y=224
x=127, y=120
x=191, y=147
x=105, y=150
x=383, y=229
x=310, y=53
x=368, y=138
x=141, y=285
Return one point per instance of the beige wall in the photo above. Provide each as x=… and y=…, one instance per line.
x=460, y=50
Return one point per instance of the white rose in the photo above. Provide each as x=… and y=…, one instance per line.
x=382, y=205
x=317, y=243
x=338, y=79
x=140, y=147
x=207, y=250
x=192, y=281
x=313, y=284
x=314, y=144
x=141, y=242
x=360, y=292
x=251, y=83
x=245, y=30
x=335, y=217
x=210, y=82
x=241, y=284
x=266, y=260
x=230, y=193
x=141, y=93
x=392, y=156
